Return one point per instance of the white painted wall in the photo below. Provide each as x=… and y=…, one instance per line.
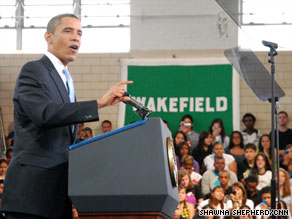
x=178, y=25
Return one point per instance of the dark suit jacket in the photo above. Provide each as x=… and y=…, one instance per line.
x=36, y=180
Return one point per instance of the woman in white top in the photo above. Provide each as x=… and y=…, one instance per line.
x=285, y=188
x=216, y=199
x=238, y=197
x=218, y=132
x=262, y=170
x=230, y=163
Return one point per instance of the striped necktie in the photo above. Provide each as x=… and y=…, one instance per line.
x=70, y=86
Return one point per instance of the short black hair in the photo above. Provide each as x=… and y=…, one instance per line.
x=248, y=115
x=88, y=129
x=106, y=121
x=250, y=146
x=252, y=178
x=265, y=190
x=55, y=21
x=283, y=112
x=9, y=150
x=187, y=116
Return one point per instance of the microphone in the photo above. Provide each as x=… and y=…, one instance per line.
x=270, y=44
x=142, y=111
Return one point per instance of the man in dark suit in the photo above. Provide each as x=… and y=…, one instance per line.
x=45, y=124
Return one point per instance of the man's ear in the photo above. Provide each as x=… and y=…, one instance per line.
x=48, y=37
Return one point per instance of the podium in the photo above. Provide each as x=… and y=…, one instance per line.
x=126, y=173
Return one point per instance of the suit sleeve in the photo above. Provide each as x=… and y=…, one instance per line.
x=36, y=101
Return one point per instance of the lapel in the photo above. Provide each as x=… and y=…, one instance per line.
x=56, y=78
x=60, y=86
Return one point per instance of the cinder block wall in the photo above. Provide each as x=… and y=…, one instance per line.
x=93, y=74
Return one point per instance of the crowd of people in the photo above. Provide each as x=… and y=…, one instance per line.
x=216, y=171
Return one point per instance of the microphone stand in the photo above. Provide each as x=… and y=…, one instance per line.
x=275, y=106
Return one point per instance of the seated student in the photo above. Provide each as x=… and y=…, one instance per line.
x=285, y=187
x=1, y=185
x=210, y=177
x=3, y=168
x=252, y=193
x=224, y=179
x=287, y=162
x=194, y=193
x=87, y=133
x=262, y=170
x=206, y=207
x=265, y=147
x=184, y=210
x=188, y=165
x=266, y=201
x=250, y=134
x=239, y=197
x=245, y=207
x=218, y=150
x=178, y=137
x=186, y=126
x=284, y=206
x=244, y=168
x=106, y=126
x=203, y=148
x=9, y=154
x=218, y=132
x=236, y=147
x=216, y=199
x=184, y=150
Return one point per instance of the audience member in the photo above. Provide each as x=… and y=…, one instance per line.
x=166, y=123
x=283, y=206
x=218, y=132
x=250, y=134
x=106, y=126
x=9, y=153
x=194, y=193
x=3, y=168
x=203, y=148
x=236, y=147
x=262, y=170
x=80, y=130
x=244, y=168
x=184, y=210
x=285, y=187
x=252, y=192
x=287, y=162
x=266, y=201
x=285, y=133
x=188, y=165
x=210, y=177
x=239, y=197
x=216, y=199
x=186, y=125
x=265, y=147
x=10, y=139
x=249, y=216
x=224, y=179
x=1, y=185
x=218, y=150
x=206, y=207
x=87, y=133
x=184, y=150
x=178, y=138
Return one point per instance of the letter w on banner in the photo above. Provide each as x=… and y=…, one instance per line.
x=205, y=89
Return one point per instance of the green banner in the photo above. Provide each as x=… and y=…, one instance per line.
x=203, y=91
